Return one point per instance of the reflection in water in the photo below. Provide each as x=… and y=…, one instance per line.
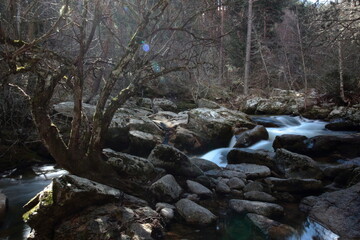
x=19, y=191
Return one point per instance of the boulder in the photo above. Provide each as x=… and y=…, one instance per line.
x=194, y=213
x=343, y=175
x=187, y=140
x=294, y=185
x=293, y=165
x=3, y=206
x=291, y=142
x=163, y=104
x=251, y=104
x=66, y=195
x=222, y=187
x=215, y=125
x=259, y=196
x=131, y=166
x=342, y=125
x=142, y=143
x=250, y=137
x=338, y=211
x=347, y=113
x=166, y=189
x=198, y=189
x=65, y=109
x=166, y=211
x=259, y=157
x=267, y=121
x=251, y=171
x=254, y=186
x=173, y=161
x=204, y=165
x=261, y=208
x=236, y=183
x=206, y=103
x=225, y=173
x=271, y=228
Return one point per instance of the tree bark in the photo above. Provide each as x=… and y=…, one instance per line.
x=248, y=49
x=341, y=72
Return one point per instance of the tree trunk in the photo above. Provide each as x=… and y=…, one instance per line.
x=341, y=72
x=302, y=61
x=248, y=49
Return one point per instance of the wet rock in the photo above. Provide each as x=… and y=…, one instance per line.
x=251, y=170
x=173, y=161
x=271, y=228
x=236, y=183
x=259, y=196
x=338, y=211
x=166, y=211
x=259, y=157
x=64, y=196
x=342, y=174
x=194, y=213
x=166, y=189
x=187, y=140
x=291, y=142
x=198, y=189
x=294, y=185
x=293, y=165
x=250, y=137
x=204, y=165
x=261, y=208
x=225, y=173
x=267, y=121
x=3, y=207
x=342, y=125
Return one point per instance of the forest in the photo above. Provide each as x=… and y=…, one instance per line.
x=179, y=119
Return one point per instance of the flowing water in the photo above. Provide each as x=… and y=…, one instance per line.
x=19, y=190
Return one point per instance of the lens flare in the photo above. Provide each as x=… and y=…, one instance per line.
x=145, y=47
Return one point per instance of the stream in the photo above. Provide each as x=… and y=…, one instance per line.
x=20, y=189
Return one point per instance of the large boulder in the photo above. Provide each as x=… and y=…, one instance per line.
x=291, y=142
x=166, y=189
x=65, y=109
x=338, y=211
x=163, y=104
x=193, y=213
x=173, y=161
x=261, y=208
x=69, y=195
x=271, y=228
x=293, y=165
x=343, y=175
x=259, y=196
x=259, y=157
x=206, y=103
x=250, y=137
x=215, y=125
x=198, y=189
x=342, y=125
x=294, y=185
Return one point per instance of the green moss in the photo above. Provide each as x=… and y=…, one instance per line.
x=46, y=199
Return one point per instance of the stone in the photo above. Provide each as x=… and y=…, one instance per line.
x=259, y=196
x=163, y=104
x=198, y=189
x=261, y=208
x=342, y=125
x=236, y=183
x=271, y=228
x=222, y=187
x=294, y=165
x=251, y=171
x=173, y=161
x=225, y=173
x=66, y=109
x=259, y=157
x=142, y=143
x=250, y=137
x=166, y=189
x=291, y=142
x=294, y=185
x=194, y=213
x=337, y=211
x=204, y=165
x=189, y=141
x=254, y=186
x=206, y=103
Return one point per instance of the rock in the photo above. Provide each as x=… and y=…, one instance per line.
x=161, y=205
x=173, y=161
x=64, y=196
x=338, y=211
x=250, y=137
x=167, y=213
x=142, y=143
x=344, y=175
x=166, y=189
x=259, y=157
x=271, y=228
x=273, y=106
x=291, y=142
x=347, y=113
x=261, y=208
x=204, y=165
x=3, y=207
x=66, y=109
x=294, y=185
x=163, y=104
x=131, y=166
x=342, y=125
x=293, y=165
x=252, y=104
x=198, y=189
x=194, y=213
x=225, y=173
x=267, y=121
x=206, y=103
x=259, y=196
x=215, y=125
x=251, y=171
x=254, y=186
x=222, y=187
x=189, y=141
x=236, y=183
